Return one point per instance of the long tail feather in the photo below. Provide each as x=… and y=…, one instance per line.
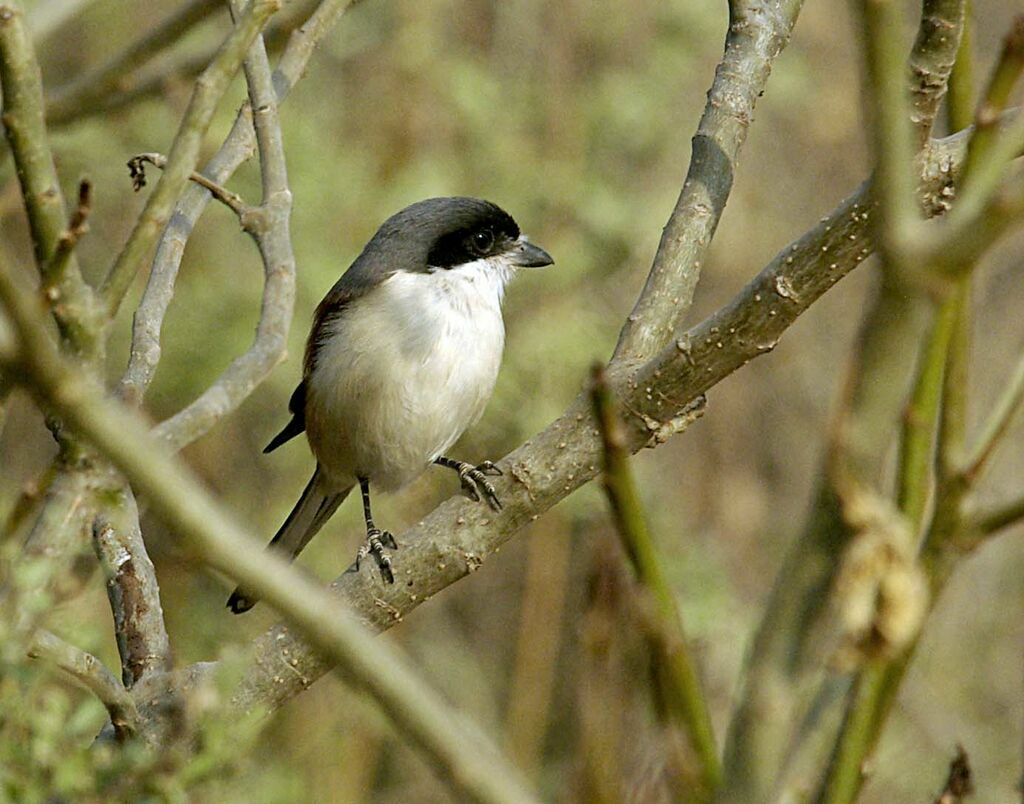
x=311, y=512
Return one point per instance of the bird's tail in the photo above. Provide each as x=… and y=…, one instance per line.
x=316, y=505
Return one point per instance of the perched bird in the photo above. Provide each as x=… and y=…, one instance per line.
x=401, y=359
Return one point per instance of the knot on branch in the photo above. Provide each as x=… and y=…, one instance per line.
x=881, y=593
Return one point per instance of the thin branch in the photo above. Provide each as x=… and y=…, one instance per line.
x=184, y=152
x=152, y=80
x=457, y=536
x=960, y=98
x=232, y=200
x=686, y=703
x=882, y=22
x=932, y=59
x=959, y=782
x=68, y=101
x=26, y=134
x=996, y=519
x=758, y=32
x=59, y=264
x=466, y=756
x=132, y=589
x=92, y=674
x=238, y=146
x=998, y=422
x=919, y=421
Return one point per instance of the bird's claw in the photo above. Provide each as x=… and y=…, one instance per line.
x=474, y=482
x=376, y=541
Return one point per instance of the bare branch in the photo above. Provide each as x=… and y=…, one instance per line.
x=233, y=201
x=132, y=589
x=26, y=134
x=184, y=152
x=152, y=79
x=92, y=674
x=757, y=35
x=997, y=424
x=67, y=102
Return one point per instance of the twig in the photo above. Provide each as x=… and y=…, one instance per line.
x=757, y=35
x=890, y=130
x=132, y=589
x=66, y=102
x=467, y=757
x=920, y=419
x=992, y=146
x=959, y=783
x=57, y=268
x=153, y=79
x=184, y=152
x=26, y=134
x=680, y=681
x=238, y=146
x=232, y=200
x=455, y=537
x=997, y=424
x=960, y=97
x=994, y=520
x=92, y=674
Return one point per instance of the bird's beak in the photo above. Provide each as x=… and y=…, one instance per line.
x=527, y=255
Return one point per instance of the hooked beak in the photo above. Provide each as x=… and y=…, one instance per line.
x=527, y=255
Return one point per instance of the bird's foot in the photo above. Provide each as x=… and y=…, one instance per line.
x=475, y=483
x=376, y=541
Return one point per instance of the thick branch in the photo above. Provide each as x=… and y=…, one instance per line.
x=132, y=589
x=758, y=32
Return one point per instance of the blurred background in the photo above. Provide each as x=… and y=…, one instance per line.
x=576, y=117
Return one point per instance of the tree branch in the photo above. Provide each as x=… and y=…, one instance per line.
x=184, y=152
x=26, y=134
x=92, y=674
x=132, y=589
x=758, y=32
x=68, y=101
x=932, y=59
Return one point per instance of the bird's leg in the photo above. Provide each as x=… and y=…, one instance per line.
x=474, y=479
x=376, y=539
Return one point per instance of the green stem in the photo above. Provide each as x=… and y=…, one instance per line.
x=686, y=703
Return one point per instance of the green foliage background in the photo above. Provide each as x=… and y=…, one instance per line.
x=576, y=117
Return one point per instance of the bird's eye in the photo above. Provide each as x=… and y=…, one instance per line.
x=483, y=241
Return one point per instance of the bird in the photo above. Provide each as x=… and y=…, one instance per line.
x=401, y=359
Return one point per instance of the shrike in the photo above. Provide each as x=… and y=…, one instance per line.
x=401, y=359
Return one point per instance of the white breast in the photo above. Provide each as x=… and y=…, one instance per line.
x=405, y=371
